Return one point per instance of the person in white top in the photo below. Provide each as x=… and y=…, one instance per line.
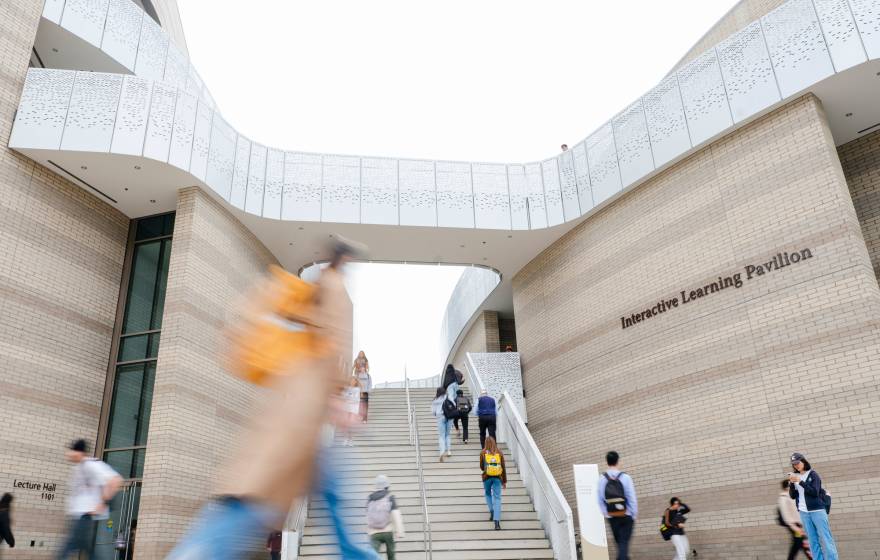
x=352, y=401
x=361, y=370
x=791, y=519
x=92, y=485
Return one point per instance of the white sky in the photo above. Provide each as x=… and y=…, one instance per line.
x=487, y=80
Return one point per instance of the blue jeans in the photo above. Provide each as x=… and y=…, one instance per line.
x=819, y=534
x=492, y=486
x=443, y=433
x=328, y=489
x=227, y=529
x=80, y=538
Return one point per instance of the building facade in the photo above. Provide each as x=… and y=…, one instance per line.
x=694, y=285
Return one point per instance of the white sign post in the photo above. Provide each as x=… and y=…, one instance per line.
x=594, y=543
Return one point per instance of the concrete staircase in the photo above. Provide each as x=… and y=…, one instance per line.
x=459, y=518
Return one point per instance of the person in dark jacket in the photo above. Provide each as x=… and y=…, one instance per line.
x=486, y=416
x=494, y=478
x=6, y=520
x=674, y=518
x=273, y=545
x=464, y=406
x=806, y=490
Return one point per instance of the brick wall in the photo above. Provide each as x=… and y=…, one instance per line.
x=483, y=336
x=197, y=406
x=706, y=401
x=61, y=258
x=861, y=165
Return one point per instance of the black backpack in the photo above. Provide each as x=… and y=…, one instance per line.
x=615, y=497
x=450, y=411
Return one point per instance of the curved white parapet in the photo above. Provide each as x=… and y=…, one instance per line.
x=162, y=113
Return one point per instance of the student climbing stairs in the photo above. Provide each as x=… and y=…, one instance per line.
x=457, y=511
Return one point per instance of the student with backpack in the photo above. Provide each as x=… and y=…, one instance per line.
x=787, y=516
x=672, y=527
x=444, y=411
x=617, y=502
x=494, y=479
x=813, y=503
x=464, y=406
x=486, y=415
x=384, y=521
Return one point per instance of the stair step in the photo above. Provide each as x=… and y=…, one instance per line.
x=415, y=526
x=440, y=536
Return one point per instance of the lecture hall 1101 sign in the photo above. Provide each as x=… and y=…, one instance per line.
x=736, y=280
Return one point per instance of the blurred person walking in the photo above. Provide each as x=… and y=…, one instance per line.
x=464, y=406
x=494, y=478
x=361, y=370
x=486, y=417
x=451, y=380
x=791, y=520
x=384, y=521
x=353, y=405
x=616, y=494
x=6, y=520
x=290, y=340
x=439, y=408
x=273, y=545
x=813, y=504
x=674, y=520
x=92, y=485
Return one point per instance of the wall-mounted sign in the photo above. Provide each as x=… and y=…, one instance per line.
x=46, y=489
x=736, y=280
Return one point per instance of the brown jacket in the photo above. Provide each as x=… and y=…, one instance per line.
x=503, y=466
x=275, y=459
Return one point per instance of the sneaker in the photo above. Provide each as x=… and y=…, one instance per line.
x=465, y=442
x=449, y=453
x=497, y=525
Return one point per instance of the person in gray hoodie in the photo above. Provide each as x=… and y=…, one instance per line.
x=384, y=521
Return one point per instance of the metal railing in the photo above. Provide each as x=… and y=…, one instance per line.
x=549, y=502
x=415, y=441
x=409, y=408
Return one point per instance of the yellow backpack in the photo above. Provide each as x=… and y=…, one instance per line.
x=493, y=464
x=277, y=328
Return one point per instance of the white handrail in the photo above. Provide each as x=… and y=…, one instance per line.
x=293, y=527
x=549, y=502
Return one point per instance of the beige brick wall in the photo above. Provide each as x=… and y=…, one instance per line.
x=61, y=258
x=197, y=406
x=707, y=401
x=861, y=165
x=483, y=336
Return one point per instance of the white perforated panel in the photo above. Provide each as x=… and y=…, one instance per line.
x=797, y=48
x=152, y=50
x=519, y=196
x=194, y=83
x=198, y=165
x=748, y=75
x=552, y=192
x=633, y=146
x=161, y=121
x=122, y=32
x=341, y=195
x=176, y=67
x=92, y=112
x=535, y=202
x=491, y=199
x=667, y=126
x=840, y=32
x=568, y=181
x=220, y=156
x=455, y=198
x=867, y=15
x=274, y=184
x=53, y=9
x=705, y=103
x=85, y=19
x=379, y=191
x=418, y=203
x=42, y=109
x=256, y=180
x=183, y=130
x=301, y=199
x=582, y=176
x=602, y=157
x=131, y=117
x=238, y=192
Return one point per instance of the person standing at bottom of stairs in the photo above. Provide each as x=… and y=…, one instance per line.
x=494, y=478
x=443, y=424
x=384, y=521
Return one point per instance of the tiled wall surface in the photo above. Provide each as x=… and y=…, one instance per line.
x=197, y=406
x=61, y=258
x=481, y=337
x=861, y=165
x=706, y=401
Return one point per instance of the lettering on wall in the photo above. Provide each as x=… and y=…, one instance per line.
x=736, y=281
x=46, y=489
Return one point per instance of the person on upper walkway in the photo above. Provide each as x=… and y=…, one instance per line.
x=486, y=416
x=494, y=478
x=616, y=494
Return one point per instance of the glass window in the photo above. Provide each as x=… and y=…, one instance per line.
x=129, y=463
x=146, y=290
x=130, y=408
x=154, y=226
